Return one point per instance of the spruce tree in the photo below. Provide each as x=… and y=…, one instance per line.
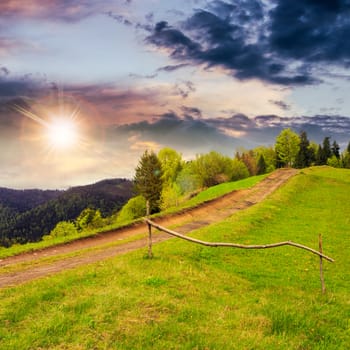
x=261, y=165
x=304, y=156
x=148, y=179
x=327, y=151
x=335, y=149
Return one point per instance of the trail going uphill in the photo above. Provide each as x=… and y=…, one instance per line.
x=29, y=266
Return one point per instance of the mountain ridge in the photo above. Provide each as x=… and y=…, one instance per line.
x=27, y=215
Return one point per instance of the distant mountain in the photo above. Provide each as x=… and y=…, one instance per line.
x=27, y=215
x=23, y=200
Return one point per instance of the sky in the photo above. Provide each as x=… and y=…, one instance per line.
x=86, y=86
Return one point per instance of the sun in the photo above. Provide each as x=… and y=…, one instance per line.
x=62, y=133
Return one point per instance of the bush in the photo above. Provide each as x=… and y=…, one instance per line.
x=133, y=209
x=62, y=229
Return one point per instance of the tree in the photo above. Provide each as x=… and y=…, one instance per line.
x=346, y=157
x=269, y=155
x=148, y=179
x=335, y=149
x=188, y=180
x=62, y=229
x=89, y=218
x=326, y=147
x=213, y=168
x=133, y=209
x=334, y=162
x=250, y=160
x=171, y=163
x=305, y=155
x=261, y=165
x=170, y=196
x=240, y=170
x=287, y=147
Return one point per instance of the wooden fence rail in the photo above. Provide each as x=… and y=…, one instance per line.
x=235, y=245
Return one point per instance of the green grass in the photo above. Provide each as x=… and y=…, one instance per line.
x=195, y=297
x=204, y=196
x=218, y=191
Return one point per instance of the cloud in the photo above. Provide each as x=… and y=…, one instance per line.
x=188, y=135
x=172, y=68
x=282, y=43
x=184, y=88
x=191, y=111
x=311, y=30
x=281, y=104
x=60, y=10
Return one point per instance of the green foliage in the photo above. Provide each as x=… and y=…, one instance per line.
x=213, y=168
x=148, y=179
x=250, y=160
x=345, y=159
x=334, y=162
x=89, y=218
x=135, y=208
x=287, y=147
x=188, y=180
x=171, y=163
x=269, y=155
x=62, y=229
x=239, y=170
x=170, y=196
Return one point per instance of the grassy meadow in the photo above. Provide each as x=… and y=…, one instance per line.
x=195, y=297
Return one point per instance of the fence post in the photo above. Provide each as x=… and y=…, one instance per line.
x=321, y=265
x=150, y=254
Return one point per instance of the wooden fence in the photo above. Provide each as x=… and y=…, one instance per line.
x=322, y=256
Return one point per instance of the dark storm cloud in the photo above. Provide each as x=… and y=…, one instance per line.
x=184, y=134
x=311, y=30
x=282, y=44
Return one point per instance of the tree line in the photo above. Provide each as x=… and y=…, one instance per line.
x=161, y=179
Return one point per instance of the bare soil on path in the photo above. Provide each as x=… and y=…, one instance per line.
x=30, y=266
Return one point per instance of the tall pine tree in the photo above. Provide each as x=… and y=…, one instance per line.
x=305, y=155
x=148, y=179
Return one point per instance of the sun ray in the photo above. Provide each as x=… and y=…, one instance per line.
x=61, y=131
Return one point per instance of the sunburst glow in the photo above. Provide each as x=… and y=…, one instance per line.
x=62, y=133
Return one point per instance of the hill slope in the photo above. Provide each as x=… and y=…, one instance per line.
x=105, y=245
x=27, y=215
x=193, y=297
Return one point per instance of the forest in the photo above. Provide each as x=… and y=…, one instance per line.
x=28, y=215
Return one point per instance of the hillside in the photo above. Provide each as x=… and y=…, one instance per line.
x=27, y=215
x=194, y=297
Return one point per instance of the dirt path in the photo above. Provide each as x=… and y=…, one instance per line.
x=186, y=221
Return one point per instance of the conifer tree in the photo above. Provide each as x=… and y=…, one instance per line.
x=335, y=149
x=148, y=179
x=305, y=155
x=261, y=165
